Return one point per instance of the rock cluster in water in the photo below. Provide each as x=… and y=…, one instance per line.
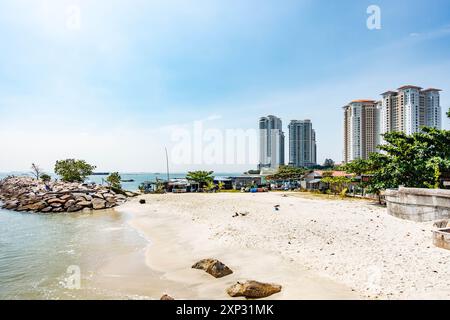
x=29, y=194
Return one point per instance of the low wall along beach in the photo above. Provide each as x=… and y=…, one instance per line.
x=419, y=204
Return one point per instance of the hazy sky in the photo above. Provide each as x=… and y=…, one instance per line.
x=111, y=81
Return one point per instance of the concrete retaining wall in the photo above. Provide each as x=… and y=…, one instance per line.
x=419, y=204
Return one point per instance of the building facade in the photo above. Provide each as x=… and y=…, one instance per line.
x=406, y=110
x=410, y=108
x=361, y=129
x=302, y=144
x=271, y=142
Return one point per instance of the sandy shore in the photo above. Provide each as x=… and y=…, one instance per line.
x=315, y=248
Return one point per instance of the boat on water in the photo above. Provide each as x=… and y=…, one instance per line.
x=127, y=180
x=100, y=173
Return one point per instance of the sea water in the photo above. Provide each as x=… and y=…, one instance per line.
x=39, y=253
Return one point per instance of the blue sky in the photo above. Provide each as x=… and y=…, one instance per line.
x=112, y=90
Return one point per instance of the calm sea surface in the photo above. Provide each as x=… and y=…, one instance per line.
x=37, y=252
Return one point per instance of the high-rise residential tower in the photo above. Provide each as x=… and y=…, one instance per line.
x=271, y=142
x=406, y=110
x=302, y=144
x=410, y=108
x=361, y=129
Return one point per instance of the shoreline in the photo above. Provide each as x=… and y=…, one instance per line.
x=315, y=249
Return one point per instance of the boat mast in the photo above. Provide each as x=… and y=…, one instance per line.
x=167, y=165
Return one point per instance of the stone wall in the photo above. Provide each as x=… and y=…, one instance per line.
x=418, y=204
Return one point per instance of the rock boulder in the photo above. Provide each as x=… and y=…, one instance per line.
x=253, y=289
x=214, y=267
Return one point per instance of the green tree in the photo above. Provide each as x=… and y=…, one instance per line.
x=45, y=177
x=448, y=113
x=328, y=163
x=358, y=167
x=287, y=173
x=201, y=177
x=336, y=184
x=220, y=186
x=71, y=170
x=114, y=180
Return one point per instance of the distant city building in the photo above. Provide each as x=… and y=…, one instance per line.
x=410, y=108
x=361, y=129
x=271, y=144
x=302, y=144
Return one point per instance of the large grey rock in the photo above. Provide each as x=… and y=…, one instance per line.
x=55, y=200
x=74, y=208
x=66, y=197
x=56, y=204
x=38, y=206
x=98, y=204
x=69, y=203
x=10, y=205
x=84, y=203
x=214, y=267
x=253, y=289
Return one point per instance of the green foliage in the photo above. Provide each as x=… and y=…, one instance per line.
x=415, y=161
x=210, y=186
x=220, y=185
x=114, y=180
x=201, y=177
x=336, y=184
x=287, y=173
x=448, y=113
x=71, y=170
x=358, y=167
x=45, y=177
x=328, y=163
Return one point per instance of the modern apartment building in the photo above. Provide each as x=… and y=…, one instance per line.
x=406, y=110
x=302, y=144
x=361, y=129
x=271, y=142
x=410, y=108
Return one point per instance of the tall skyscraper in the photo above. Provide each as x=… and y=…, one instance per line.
x=302, y=144
x=361, y=129
x=410, y=108
x=271, y=142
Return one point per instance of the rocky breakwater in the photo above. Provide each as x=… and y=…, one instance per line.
x=29, y=194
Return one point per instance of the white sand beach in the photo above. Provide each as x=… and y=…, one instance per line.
x=315, y=248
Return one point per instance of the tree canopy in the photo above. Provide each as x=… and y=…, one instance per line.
x=328, y=163
x=287, y=173
x=114, y=180
x=201, y=177
x=71, y=170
